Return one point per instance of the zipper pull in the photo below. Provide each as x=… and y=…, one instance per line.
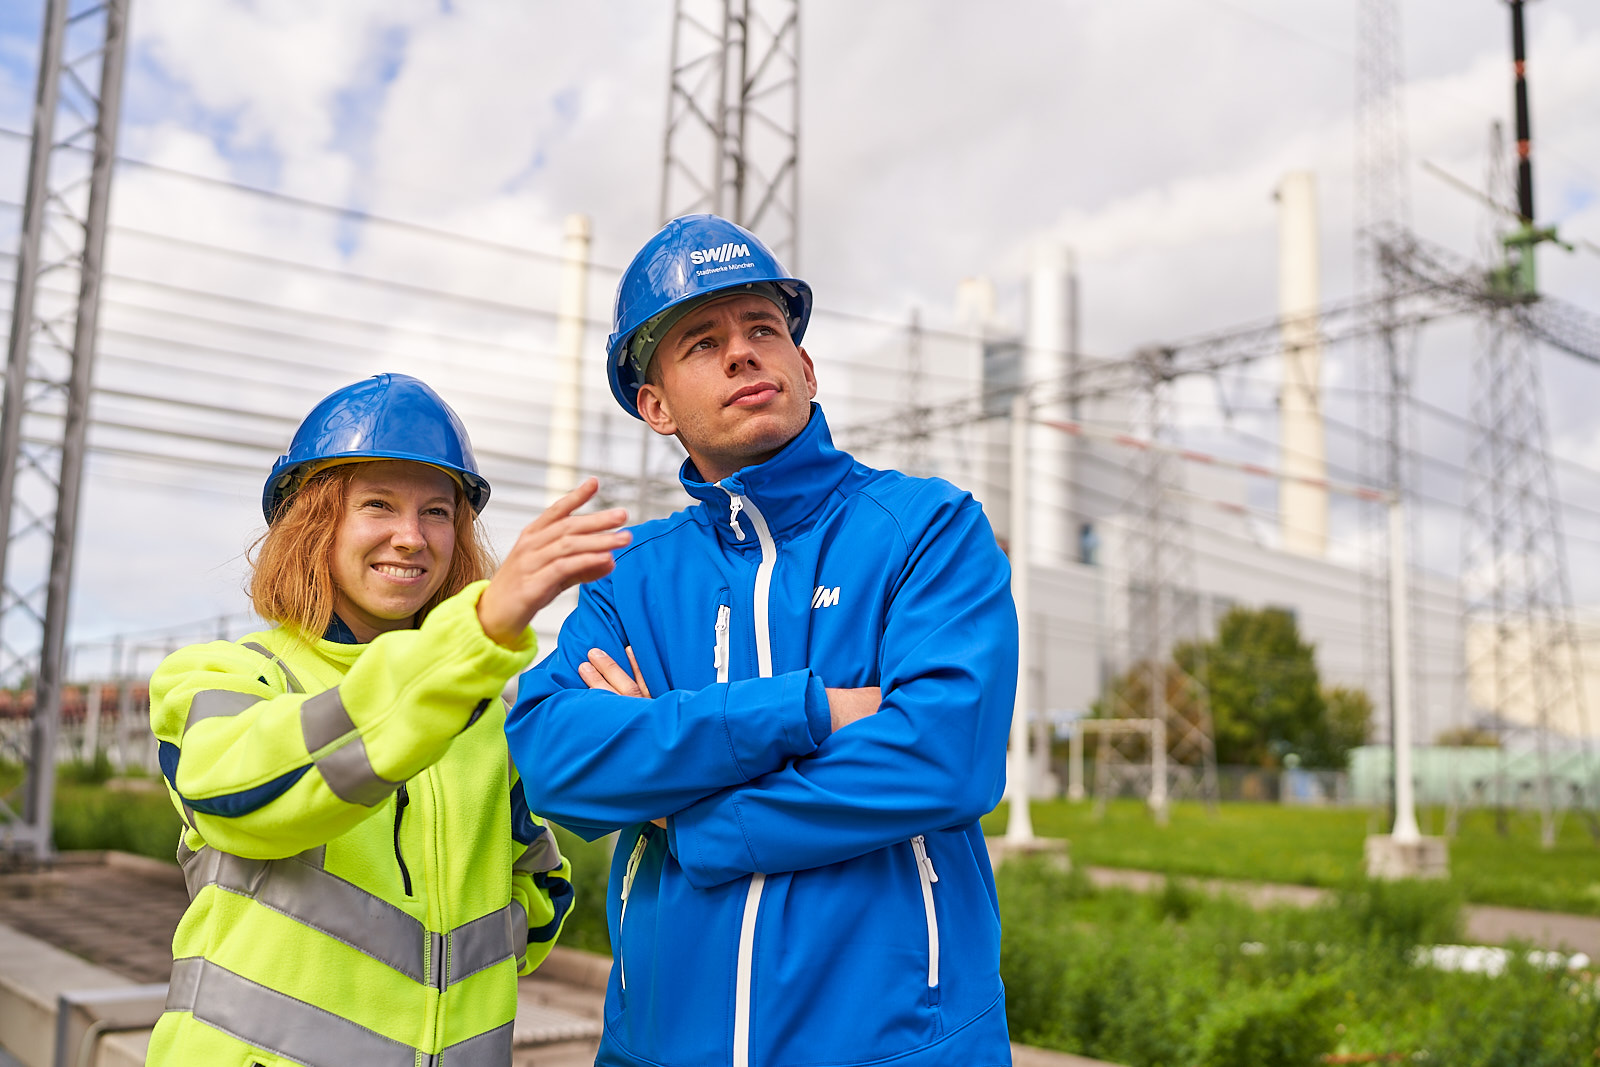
x=723, y=611
x=735, y=505
x=632, y=869
x=919, y=845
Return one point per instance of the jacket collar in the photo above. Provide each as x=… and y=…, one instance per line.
x=788, y=489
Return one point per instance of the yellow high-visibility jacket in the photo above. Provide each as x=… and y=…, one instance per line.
x=366, y=881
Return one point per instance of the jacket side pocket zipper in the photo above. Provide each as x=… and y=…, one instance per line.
x=629, y=874
x=927, y=875
x=401, y=799
x=724, y=614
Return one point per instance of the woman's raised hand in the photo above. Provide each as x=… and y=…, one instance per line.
x=554, y=552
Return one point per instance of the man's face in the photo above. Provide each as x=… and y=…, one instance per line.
x=730, y=383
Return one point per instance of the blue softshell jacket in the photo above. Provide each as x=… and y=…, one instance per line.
x=816, y=898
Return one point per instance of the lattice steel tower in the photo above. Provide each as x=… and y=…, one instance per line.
x=49, y=368
x=1520, y=635
x=1163, y=608
x=1383, y=220
x=733, y=117
x=732, y=144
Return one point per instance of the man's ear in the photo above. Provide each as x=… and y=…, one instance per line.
x=652, y=404
x=810, y=373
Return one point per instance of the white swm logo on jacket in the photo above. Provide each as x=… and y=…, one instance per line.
x=825, y=597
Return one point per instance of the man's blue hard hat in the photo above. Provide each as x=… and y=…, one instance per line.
x=387, y=416
x=692, y=258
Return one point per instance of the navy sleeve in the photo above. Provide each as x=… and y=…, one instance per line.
x=594, y=761
x=933, y=757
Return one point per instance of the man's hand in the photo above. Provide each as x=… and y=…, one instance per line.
x=603, y=672
x=554, y=552
x=849, y=705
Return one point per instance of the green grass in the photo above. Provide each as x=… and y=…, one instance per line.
x=1323, y=847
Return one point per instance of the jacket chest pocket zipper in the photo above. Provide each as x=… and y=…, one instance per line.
x=724, y=615
x=927, y=876
x=629, y=874
x=401, y=799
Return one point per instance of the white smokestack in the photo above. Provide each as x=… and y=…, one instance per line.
x=1302, y=508
x=561, y=472
x=1045, y=359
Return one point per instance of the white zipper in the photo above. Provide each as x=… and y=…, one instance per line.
x=752, y=899
x=769, y=559
x=628, y=875
x=741, y=988
x=724, y=612
x=928, y=876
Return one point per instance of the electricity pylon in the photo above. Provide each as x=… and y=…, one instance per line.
x=1519, y=626
x=733, y=117
x=49, y=369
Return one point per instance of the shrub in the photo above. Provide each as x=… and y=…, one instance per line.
x=1527, y=1017
x=1402, y=914
x=1273, y=1025
x=141, y=822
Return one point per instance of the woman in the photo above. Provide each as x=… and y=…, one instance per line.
x=366, y=881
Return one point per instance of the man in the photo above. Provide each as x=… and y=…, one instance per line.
x=822, y=662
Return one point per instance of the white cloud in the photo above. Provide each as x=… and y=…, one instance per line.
x=939, y=138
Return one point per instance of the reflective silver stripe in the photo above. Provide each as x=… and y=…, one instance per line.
x=322, y=901
x=519, y=932
x=484, y=942
x=323, y=719
x=542, y=855
x=347, y=770
x=288, y=675
x=287, y=1027
x=184, y=986
x=436, y=960
x=300, y=889
x=214, y=703
x=349, y=773
x=492, y=1048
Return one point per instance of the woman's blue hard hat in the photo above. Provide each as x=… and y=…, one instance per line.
x=387, y=416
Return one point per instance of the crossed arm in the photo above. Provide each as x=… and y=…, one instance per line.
x=600, y=671
x=739, y=788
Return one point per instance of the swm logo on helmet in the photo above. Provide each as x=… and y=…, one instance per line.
x=721, y=254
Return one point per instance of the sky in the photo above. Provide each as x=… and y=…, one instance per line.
x=939, y=140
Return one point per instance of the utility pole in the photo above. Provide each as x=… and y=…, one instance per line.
x=1019, y=820
x=49, y=370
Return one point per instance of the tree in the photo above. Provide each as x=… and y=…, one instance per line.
x=1349, y=724
x=1467, y=737
x=1266, y=698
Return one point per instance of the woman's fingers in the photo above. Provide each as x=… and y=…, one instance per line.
x=569, y=502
